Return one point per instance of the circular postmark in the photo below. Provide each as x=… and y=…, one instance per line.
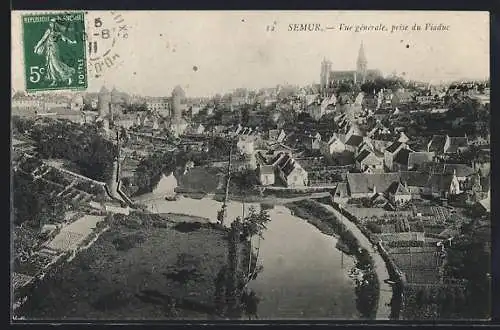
x=104, y=31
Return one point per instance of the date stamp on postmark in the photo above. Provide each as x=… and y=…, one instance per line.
x=55, y=51
x=105, y=30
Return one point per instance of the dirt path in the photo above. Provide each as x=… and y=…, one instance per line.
x=383, y=311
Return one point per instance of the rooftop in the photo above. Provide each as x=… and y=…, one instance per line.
x=402, y=156
x=393, y=147
x=354, y=140
x=364, y=183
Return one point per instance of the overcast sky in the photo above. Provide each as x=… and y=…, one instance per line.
x=234, y=49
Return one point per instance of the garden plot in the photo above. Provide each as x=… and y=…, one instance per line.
x=75, y=233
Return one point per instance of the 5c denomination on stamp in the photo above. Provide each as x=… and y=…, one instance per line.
x=54, y=51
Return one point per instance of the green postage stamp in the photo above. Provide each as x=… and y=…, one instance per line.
x=54, y=51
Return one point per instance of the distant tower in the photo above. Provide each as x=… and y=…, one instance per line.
x=178, y=97
x=361, y=65
x=326, y=68
x=103, y=102
x=115, y=96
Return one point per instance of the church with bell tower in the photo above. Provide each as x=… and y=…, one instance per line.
x=329, y=77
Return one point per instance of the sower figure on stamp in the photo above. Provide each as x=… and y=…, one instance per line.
x=56, y=70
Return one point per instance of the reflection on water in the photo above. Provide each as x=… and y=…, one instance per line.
x=302, y=276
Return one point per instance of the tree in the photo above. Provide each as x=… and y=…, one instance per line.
x=235, y=276
x=81, y=145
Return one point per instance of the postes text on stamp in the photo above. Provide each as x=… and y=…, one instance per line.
x=54, y=51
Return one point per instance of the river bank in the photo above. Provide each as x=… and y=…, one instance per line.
x=367, y=289
x=292, y=285
x=385, y=290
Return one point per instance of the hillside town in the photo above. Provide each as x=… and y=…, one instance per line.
x=405, y=163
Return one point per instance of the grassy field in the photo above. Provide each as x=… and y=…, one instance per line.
x=136, y=270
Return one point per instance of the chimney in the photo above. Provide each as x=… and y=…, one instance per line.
x=374, y=190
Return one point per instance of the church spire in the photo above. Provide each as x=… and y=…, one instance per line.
x=361, y=55
x=361, y=64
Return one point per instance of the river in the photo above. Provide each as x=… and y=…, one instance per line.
x=302, y=277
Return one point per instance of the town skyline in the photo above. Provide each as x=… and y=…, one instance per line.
x=225, y=50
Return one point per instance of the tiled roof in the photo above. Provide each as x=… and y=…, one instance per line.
x=362, y=155
x=393, y=147
x=402, y=156
x=288, y=167
x=364, y=183
x=354, y=140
